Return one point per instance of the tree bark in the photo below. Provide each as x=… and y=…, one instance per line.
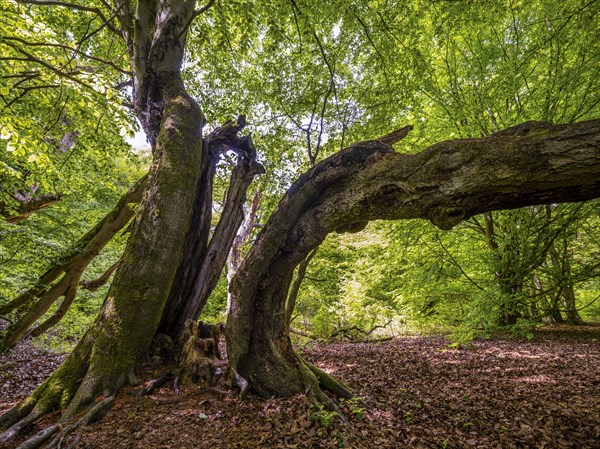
x=295, y=290
x=27, y=206
x=548, y=303
x=234, y=259
x=451, y=181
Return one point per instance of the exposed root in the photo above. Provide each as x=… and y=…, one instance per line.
x=40, y=438
x=19, y=426
x=240, y=382
x=330, y=383
x=95, y=412
x=154, y=384
x=315, y=394
x=61, y=431
x=73, y=388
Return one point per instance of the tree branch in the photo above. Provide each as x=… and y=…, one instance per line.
x=396, y=136
x=69, y=5
x=66, y=47
x=194, y=15
x=68, y=75
x=73, y=6
x=29, y=206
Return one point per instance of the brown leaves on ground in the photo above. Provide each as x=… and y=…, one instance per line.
x=22, y=369
x=497, y=393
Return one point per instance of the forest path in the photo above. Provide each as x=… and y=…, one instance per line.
x=497, y=393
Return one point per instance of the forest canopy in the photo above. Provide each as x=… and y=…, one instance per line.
x=277, y=132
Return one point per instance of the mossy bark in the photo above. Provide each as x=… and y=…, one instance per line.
x=446, y=183
x=105, y=359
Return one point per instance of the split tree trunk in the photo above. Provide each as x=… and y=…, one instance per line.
x=234, y=259
x=451, y=181
x=203, y=260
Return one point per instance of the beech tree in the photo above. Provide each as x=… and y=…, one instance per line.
x=172, y=259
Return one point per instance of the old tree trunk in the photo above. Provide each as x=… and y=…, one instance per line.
x=533, y=163
x=105, y=358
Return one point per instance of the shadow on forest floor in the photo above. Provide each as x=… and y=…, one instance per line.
x=499, y=393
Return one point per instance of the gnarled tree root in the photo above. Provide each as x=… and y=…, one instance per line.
x=73, y=387
x=24, y=417
x=93, y=413
x=330, y=383
x=309, y=379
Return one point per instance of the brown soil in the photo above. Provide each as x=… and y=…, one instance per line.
x=498, y=393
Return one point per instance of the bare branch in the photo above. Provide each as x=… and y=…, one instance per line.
x=66, y=47
x=26, y=90
x=75, y=7
x=204, y=8
x=69, y=75
x=95, y=284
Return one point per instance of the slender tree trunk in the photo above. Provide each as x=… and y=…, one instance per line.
x=295, y=290
x=507, y=314
x=548, y=304
x=234, y=259
x=568, y=295
x=561, y=264
x=448, y=182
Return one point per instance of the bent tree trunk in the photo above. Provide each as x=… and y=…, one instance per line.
x=451, y=181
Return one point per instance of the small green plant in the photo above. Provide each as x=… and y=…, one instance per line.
x=321, y=415
x=354, y=406
x=524, y=329
x=339, y=439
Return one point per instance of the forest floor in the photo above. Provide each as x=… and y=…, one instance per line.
x=415, y=393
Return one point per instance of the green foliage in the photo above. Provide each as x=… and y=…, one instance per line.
x=354, y=407
x=62, y=127
x=31, y=246
x=310, y=84
x=319, y=414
